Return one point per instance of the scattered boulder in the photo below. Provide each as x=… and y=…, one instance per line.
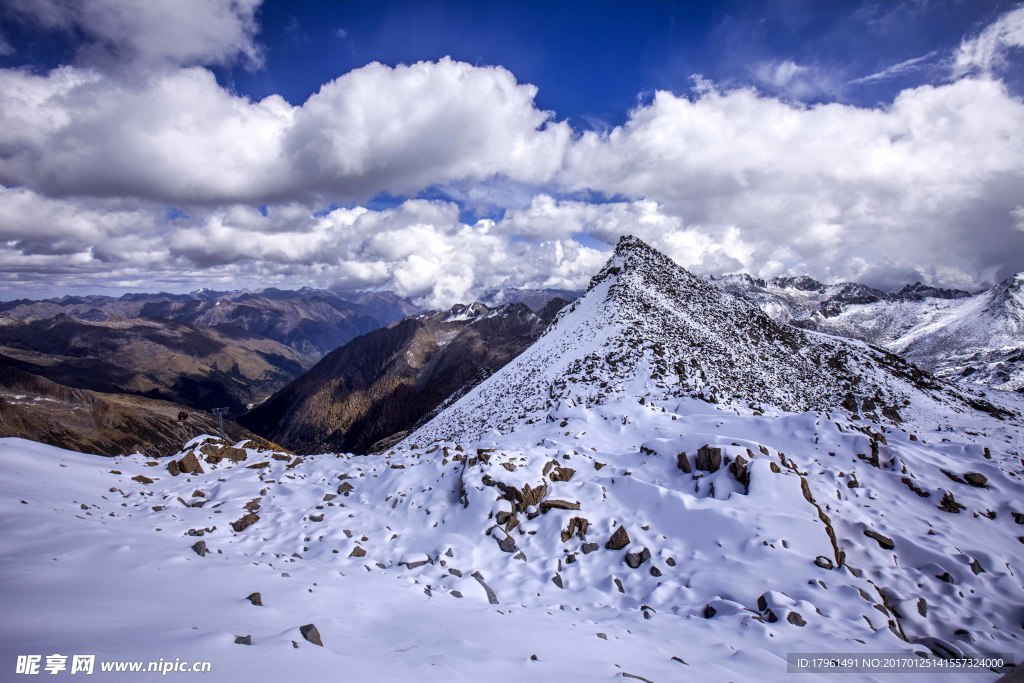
x=357, y=552
x=976, y=479
x=709, y=459
x=200, y=548
x=557, y=580
x=255, y=598
x=258, y=465
x=559, y=473
x=577, y=527
x=709, y=612
x=245, y=522
x=590, y=547
x=213, y=455
x=142, y=479
x=558, y=504
x=683, y=463
x=619, y=539
x=507, y=544
x=190, y=464
x=173, y=468
x=345, y=488
x=415, y=560
x=885, y=542
x=823, y=562
x=738, y=467
x=311, y=633
x=634, y=560
x=949, y=504
x=492, y=598
x=243, y=640
x=316, y=518
x=796, y=619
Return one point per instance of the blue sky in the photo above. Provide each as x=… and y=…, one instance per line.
x=176, y=144
x=591, y=65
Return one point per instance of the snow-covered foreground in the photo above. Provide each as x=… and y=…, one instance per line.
x=393, y=557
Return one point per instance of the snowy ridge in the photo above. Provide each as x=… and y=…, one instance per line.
x=649, y=329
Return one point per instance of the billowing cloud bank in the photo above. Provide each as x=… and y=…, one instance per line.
x=154, y=175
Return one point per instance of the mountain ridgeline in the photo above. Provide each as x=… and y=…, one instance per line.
x=975, y=338
x=647, y=327
x=382, y=384
x=101, y=356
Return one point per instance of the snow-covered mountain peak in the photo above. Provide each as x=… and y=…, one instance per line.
x=803, y=283
x=1009, y=295
x=650, y=330
x=460, y=312
x=918, y=291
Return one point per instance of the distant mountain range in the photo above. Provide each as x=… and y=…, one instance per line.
x=198, y=351
x=32, y=407
x=312, y=322
x=380, y=385
x=959, y=336
x=353, y=371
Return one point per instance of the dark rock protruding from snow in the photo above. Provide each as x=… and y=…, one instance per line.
x=709, y=459
x=634, y=560
x=619, y=539
x=311, y=633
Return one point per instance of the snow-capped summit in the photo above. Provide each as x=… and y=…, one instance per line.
x=801, y=282
x=648, y=328
x=918, y=291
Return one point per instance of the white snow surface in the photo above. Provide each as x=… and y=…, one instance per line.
x=118, y=579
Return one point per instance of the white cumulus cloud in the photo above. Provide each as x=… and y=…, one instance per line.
x=179, y=137
x=152, y=31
